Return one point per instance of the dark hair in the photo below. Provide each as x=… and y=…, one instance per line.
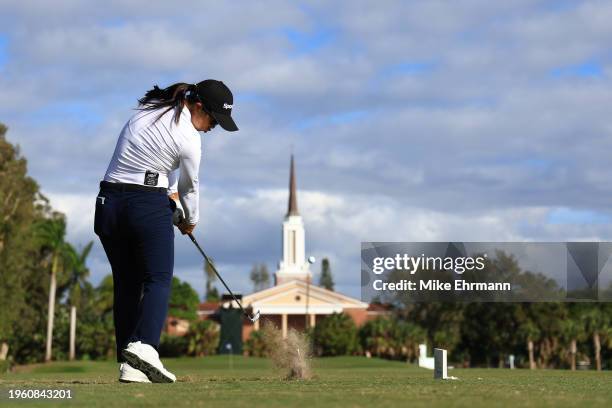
x=170, y=98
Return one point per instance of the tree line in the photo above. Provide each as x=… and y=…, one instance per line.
x=42, y=276
x=539, y=335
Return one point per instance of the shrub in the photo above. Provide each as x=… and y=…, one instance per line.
x=255, y=346
x=202, y=338
x=336, y=335
x=391, y=338
x=375, y=336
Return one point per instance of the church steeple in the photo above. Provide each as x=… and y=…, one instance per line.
x=292, y=208
x=293, y=265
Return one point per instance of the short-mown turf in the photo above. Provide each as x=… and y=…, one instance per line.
x=221, y=381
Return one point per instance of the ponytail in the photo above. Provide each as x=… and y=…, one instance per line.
x=170, y=98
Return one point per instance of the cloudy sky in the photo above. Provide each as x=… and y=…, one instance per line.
x=410, y=121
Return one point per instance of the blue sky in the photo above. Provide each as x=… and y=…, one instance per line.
x=3, y=50
x=588, y=69
x=410, y=121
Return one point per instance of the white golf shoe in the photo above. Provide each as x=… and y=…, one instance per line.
x=145, y=358
x=129, y=374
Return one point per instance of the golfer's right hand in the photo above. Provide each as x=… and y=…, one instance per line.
x=186, y=228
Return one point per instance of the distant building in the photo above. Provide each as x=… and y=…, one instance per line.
x=176, y=326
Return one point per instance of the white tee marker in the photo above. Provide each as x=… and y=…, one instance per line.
x=424, y=361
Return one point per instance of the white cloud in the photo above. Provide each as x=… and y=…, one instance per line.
x=125, y=47
x=79, y=210
x=481, y=144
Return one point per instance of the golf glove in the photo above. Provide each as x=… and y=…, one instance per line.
x=178, y=216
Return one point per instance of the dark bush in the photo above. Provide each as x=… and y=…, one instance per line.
x=336, y=335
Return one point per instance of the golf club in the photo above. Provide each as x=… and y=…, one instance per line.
x=252, y=318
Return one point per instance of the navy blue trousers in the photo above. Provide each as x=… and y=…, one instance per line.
x=136, y=230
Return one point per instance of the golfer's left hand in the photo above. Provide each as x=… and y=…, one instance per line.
x=178, y=216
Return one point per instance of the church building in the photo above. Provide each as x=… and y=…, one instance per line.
x=294, y=301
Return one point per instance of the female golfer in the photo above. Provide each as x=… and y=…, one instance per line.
x=134, y=213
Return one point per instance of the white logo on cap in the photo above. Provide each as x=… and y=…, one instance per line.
x=227, y=106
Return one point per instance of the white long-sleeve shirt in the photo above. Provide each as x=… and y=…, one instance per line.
x=149, y=150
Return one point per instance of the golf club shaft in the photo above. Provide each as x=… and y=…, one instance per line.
x=217, y=273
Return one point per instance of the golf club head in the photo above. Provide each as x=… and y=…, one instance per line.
x=255, y=317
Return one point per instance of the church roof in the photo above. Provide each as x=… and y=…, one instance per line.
x=292, y=208
x=292, y=297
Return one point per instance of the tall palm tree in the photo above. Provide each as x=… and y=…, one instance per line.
x=211, y=293
x=51, y=232
x=78, y=272
x=573, y=331
x=528, y=329
x=595, y=322
x=78, y=276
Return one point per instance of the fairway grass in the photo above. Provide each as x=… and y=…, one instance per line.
x=221, y=381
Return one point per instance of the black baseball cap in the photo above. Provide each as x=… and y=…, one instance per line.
x=219, y=101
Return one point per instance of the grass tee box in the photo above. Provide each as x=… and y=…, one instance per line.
x=338, y=382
